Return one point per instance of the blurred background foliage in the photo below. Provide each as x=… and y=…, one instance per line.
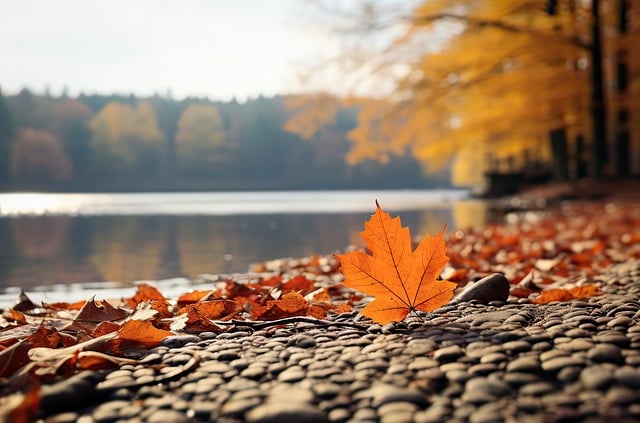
x=482, y=86
x=434, y=93
x=117, y=143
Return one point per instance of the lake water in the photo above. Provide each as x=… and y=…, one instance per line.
x=54, y=241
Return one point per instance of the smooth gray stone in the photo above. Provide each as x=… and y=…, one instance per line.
x=606, y=353
x=286, y=412
x=494, y=287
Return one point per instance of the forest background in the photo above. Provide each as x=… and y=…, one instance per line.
x=473, y=86
x=117, y=143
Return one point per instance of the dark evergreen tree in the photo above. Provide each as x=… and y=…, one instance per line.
x=6, y=137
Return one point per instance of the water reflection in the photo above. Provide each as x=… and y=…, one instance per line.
x=64, y=250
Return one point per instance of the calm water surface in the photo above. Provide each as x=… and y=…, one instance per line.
x=58, y=240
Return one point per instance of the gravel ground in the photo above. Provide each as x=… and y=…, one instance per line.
x=505, y=361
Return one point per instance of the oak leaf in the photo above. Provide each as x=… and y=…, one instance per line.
x=401, y=280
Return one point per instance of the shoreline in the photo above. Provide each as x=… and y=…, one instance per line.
x=467, y=361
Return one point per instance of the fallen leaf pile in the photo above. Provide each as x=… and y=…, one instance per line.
x=46, y=342
x=552, y=255
x=401, y=280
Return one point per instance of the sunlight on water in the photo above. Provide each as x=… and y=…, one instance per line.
x=221, y=203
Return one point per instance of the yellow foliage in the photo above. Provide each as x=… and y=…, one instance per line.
x=119, y=131
x=312, y=112
x=201, y=138
x=482, y=76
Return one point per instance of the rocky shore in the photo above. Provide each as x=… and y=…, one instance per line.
x=502, y=361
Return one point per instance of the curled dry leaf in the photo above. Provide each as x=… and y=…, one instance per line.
x=401, y=280
x=94, y=313
x=142, y=332
x=560, y=294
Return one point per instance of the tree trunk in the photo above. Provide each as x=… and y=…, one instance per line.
x=558, y=138
x=598, y=158
x=623, y=144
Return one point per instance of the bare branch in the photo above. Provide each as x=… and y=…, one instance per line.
x=500, y=24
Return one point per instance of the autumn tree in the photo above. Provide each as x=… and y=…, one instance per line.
x=38, y=156
x=126, y=139
x=512, y=79
x=202, y=147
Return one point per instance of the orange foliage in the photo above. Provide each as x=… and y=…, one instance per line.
x=142, y=332
x=401, y=280
x=38, y=153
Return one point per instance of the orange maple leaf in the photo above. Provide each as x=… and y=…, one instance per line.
x=401, y=280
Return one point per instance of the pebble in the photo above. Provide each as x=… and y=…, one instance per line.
x=449, y=353
x=605, y=353
x=493, y=387
x=285, y=412
x=596, y=377
x=527, y=364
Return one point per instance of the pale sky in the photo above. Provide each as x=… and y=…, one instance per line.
x=215, y=48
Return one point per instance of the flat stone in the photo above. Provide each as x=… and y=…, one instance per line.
x=483, y=369
x=422, y=363
x=167, y=415
x=530, y=364
x=382, y=393
x=449, y=353
x=619, y=321
x=537, y=388
x=339, y=415
x=397, y=408
x=254, y=372
x=605, y=353
x=177, y=341
x=477, y=397
x=596, y=377
x=290, y=393
x=494, y=287
x=238, y=407
x=302, y=341
x=519, y=379
x=495, y=357
x=556, y=364
x=292, y=374
x=612, y=337
x=326, y=390
x=621, y=395
x=487, y=413
x=285, y=412
x=177, y=359
x=494, y=387
x=516, y=346
x=628, y=376
x=577, y=344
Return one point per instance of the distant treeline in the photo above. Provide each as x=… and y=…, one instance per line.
x=125, y=143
